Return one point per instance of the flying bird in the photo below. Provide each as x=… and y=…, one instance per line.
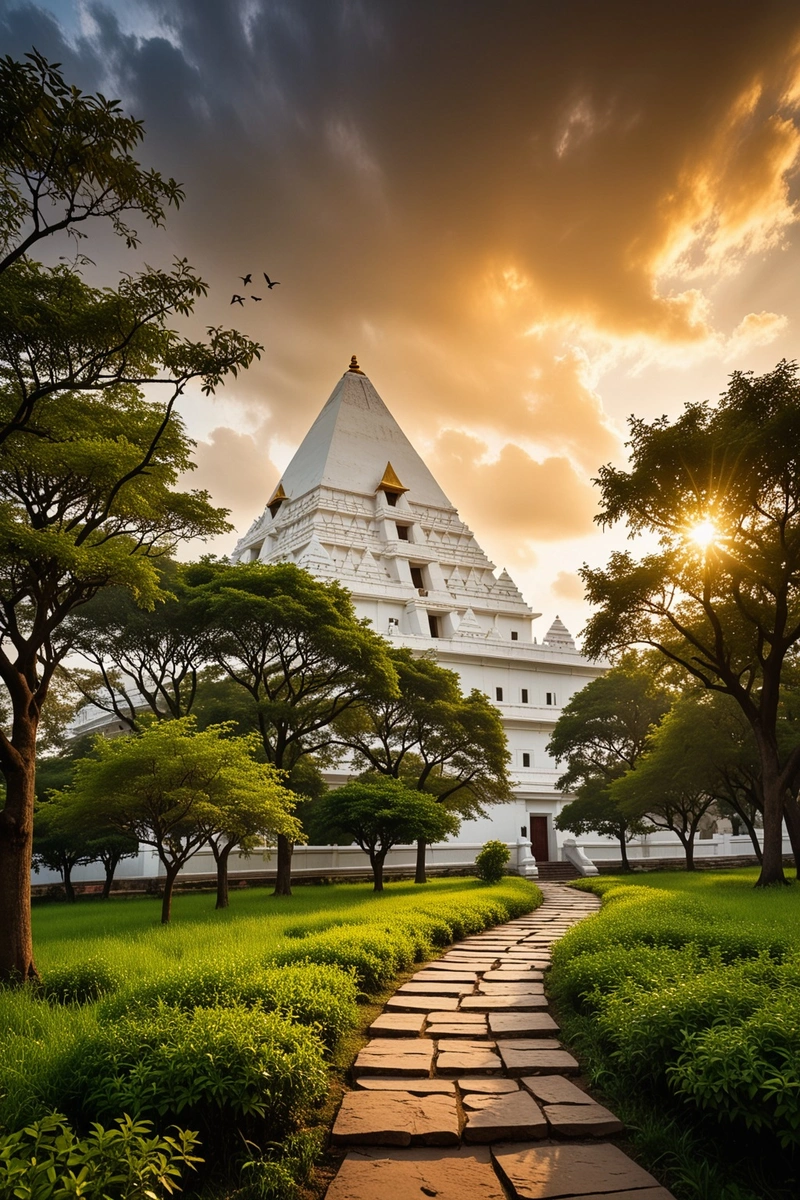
x=271, y=283
x=255, y=297
x=237, y=299
x=246, y=278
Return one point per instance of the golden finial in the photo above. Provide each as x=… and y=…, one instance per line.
x=354, y=367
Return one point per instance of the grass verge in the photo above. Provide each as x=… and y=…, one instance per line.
x=682, y=999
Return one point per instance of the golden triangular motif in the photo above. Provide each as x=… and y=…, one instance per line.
x=390, y=482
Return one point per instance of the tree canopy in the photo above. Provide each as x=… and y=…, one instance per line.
x=720, y=489
x=379, y=812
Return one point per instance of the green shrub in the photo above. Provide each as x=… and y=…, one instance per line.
x=321, y=996
x=277, y=1174
x=491, y=860
x=373, y=952
x=47, y=1161
x=220, y=1068
x=80, y=982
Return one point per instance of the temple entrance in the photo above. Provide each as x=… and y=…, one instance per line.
x=540, y=843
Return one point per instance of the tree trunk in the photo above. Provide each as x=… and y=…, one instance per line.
x=283, y=877
x=419, y=875
x=688, y=846
x=772, y=860
x=376, y=862
x=753, y=832
x=792, y=815
x=623, y=846
x=110, y=865
x=222, y=875
x=69, y=890
x=16, y=839
x=169, y=883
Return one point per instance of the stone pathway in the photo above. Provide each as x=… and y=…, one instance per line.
x=464, y=1091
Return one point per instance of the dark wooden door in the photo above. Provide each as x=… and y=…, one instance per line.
x=539, y=843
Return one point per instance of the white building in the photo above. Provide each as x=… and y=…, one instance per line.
x=358, y=504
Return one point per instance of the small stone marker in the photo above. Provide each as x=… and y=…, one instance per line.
x=545, y=1172
x=514, y=1117
x=464, y=1174
x=396, y=1119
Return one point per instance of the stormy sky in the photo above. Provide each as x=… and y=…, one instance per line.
x=528, y=220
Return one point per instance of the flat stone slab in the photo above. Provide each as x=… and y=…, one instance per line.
x=401, y=1003
x=542, y=1062
x=492, y=1085
x=519, y=1024
x=582, y=1120
x=395, y=1056
x=396, y=1119
x=554, y=1089
x=467, y=1062
x=398, y=1024
x=503, y=975
x=426, y=988
x=488, y=987
x=459, y=1045
x=441, y=964
x=416, y=1174
x=456, y=1018
x=524, y=1003
x=448, y=976
x=439, y=1031
x=515, y=1117
x=547, y=1172
x=417, y=1087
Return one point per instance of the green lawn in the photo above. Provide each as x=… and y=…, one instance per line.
x=682, y=997
x=236, y=1024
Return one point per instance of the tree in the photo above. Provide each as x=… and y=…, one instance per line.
x=57, y=846
x=173, y=787
x=297, y=649
x=601, y=734
x=378, y=813
x=720, y=489
x=433, y=738
x=665, y=788
x=88, y=463
x=160, y=651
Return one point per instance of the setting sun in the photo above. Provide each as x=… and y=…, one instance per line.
x=704, y=533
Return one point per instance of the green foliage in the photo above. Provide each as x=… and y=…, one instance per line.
x=79, y=982
x=48, y=1161
x=491, y=860
x=319, y=996
x=691, y=1000
x=221, y=1068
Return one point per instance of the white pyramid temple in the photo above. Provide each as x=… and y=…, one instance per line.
x=358, y=504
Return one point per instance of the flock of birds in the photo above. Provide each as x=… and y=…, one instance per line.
x=247, y=280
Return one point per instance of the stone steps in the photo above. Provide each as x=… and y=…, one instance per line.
x=465, y=1090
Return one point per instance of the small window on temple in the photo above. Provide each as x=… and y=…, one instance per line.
x=433, y=625
x=416, y=577
x=526, y=760
x=551, y=697
x=402, y=532
x=391, y=498
x=514, y=635
x=498, y=693
x=524, y=695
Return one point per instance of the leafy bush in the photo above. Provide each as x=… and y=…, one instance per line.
x=323, y=997
x=80, y=982
x=221, y=1068
x=491, y=860
x=47, y=1161
x=375, y=953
